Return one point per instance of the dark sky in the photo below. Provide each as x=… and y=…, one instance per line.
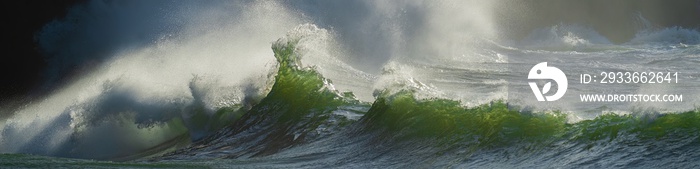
x=23, y=64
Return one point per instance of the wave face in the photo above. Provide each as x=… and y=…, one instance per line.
x=352, y=84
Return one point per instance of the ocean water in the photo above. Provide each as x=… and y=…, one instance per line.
x=347, y=84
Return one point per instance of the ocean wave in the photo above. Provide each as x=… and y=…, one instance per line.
x=299, y=106
x=202, y=86
x=670, y=35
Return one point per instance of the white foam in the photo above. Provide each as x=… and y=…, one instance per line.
x=151, y=51
x=564, y=37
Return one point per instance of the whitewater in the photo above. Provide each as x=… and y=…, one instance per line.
x=345, y=84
